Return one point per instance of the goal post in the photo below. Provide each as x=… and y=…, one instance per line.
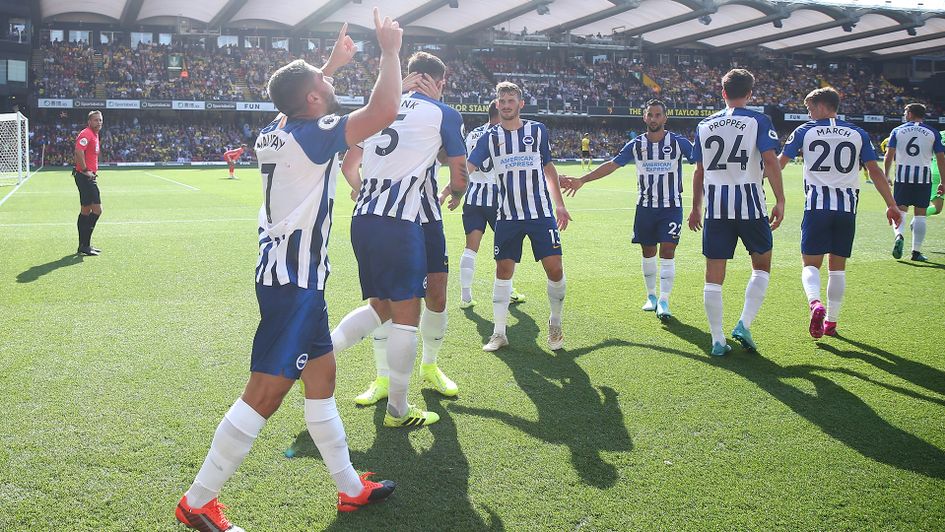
x=14, y=148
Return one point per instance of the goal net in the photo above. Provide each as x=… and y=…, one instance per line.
x=14, y=148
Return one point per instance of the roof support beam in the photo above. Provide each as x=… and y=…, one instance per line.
x=911, y=53
x=846, y=38
x=317, y=16
x=226, y=13
x=129, y=15
x=721, y=31
x=420, y=12
x=619, y=7
x=881, y=46
x=778, y=35
x=501, y=17
x=699, y=8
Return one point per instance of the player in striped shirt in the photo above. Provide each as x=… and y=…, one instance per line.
x=657, y=223
x=398, y=255
x=734, y=150
x=296, y=155
x=520, y=154
x=433, y=320
x=833, y=151
x=912, y=146
x=480, y=209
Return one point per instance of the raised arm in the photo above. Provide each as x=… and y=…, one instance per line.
x=341, y=54
x=382, y=108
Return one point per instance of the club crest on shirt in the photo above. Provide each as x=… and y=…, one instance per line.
x=772, y=135
x=528, y=140
x=667, y=149
x=328, y=122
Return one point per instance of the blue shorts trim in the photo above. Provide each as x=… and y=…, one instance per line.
x=293, y=329
x=434, y=240
x=391, y=254
x=476, y=217
x=912, y=194
x=654, y=225
x=824, y=232
x=720, y=237
x=541, y=232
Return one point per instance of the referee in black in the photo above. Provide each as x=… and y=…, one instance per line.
x=86, y=173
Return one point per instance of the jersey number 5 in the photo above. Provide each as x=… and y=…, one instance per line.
x=394, y=139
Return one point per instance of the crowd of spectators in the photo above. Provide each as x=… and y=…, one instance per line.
x=550, y=81
x=175, y=141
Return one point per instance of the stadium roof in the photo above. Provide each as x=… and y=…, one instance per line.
x=875, y=28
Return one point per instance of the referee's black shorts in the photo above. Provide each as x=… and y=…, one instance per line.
x=88, y=189
x=585, y=154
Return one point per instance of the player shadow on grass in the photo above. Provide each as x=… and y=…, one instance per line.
x=837, y=412
x=571, y=412
x=432, y=486
x=35, y=272
x=927, y=264
x=917, y=373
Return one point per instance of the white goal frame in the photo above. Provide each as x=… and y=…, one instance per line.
x=14, y=148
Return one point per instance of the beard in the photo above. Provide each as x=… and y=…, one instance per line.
x=333, y=106
x=652, y=128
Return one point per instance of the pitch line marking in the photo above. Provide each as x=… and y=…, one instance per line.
x=5, y=198
x=172, y=181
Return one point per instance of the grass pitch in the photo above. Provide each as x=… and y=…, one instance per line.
x=116, y=370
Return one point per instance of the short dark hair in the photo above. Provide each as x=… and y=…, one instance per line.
x=825, y=95
x=288, y=86
x=655, y=101
x=737, y=83
x=493, y=110
x=916, y=109
x=426, y=63
x=507, y=87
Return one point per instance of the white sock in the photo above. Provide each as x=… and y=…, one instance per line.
x=649, y=275
x=501, y=292
x=231, y=443
x=354, y=327
x=754, y=296
x=467, y=270
x=810, y=278
x=712, y=298
x=401, y=352
x=328, y=433
x=556, y=291
x=836, y=285
x=918, y=233
x=432, y=331
x=380, y=349
x=667, y=275
x=898, y=230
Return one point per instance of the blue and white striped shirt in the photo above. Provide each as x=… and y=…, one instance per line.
x=482, y=190
x=729, y=144
x=833, y=152
x=659, y=168
x=297, y=162
x=916, y=143
x=430, y=197
x=399, y=160
x=518, y=158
